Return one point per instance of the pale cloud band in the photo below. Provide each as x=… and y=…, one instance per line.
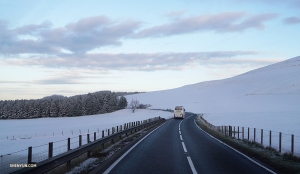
x=100, y=31
x=134, y=61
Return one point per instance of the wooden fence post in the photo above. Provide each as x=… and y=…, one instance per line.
x=243, y=133
x=254, y=134
x=69, y=148
x=80, y=138
x=262, y=137
x=88, y=141
x=29, y=159
x=69, y=144
x=248, y=133
x=292, y=145
x=270, y=139
x=234, y=131
x=50, y=150
x=280, y=136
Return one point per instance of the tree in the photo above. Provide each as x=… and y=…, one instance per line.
x=134, y=104
x=122, y=103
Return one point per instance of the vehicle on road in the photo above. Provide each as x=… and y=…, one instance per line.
x=179, y=112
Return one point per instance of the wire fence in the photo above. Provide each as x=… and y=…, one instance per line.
x=36, y=154
x=283, y=143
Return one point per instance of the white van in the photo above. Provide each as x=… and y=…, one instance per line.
x=179, y=112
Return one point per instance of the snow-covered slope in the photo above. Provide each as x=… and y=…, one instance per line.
x=255, y=94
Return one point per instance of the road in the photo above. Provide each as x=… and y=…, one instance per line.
x=179, y=146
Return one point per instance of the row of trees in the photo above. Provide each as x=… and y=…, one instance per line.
x=60, y=106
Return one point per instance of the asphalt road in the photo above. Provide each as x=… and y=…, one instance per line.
x=179, y=146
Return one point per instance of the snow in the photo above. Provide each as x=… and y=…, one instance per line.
x=17, y=135
x=84, y=166
x=267, y=98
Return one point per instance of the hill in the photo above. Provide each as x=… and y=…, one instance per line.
x=267, y=97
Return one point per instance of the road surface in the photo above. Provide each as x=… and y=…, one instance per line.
x=179, y=146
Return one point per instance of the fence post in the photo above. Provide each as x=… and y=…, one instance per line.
x=234, y=131
x=280, y=136
x=50, y=150
x=243, y=133
x=262, y=137
x=69, y=144
x=270, y=139
x=292, y=145
x=69, y=148
x=29, y=160
x=80, y=138
x=248, y=133
x=254, y=134
x=95, y=137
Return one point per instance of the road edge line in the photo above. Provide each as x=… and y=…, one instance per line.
x=264, y=167
x=119, y=159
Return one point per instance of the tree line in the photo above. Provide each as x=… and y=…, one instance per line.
x=60, y=106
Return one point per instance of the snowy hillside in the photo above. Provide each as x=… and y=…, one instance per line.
x=266, y=98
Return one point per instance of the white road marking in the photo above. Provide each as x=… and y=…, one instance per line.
x=118, y=160
x=184, y=148
x=192, y=165
x=236, y=150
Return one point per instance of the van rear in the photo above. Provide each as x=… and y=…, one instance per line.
x=179, y=112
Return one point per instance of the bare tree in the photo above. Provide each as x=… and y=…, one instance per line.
x=134, y=104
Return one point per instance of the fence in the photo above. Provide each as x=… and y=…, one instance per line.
x=283, y=143
x=39, y=154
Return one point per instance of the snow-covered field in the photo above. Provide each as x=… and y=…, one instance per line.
x=40, y=131
x=17, y=135
x=267, y=98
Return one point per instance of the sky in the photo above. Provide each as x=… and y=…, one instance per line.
x=75, y=47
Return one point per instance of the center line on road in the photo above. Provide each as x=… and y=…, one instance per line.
x=184, y=148
x=187, y=155
x=192, y=165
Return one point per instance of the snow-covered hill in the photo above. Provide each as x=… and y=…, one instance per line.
x=267, y=97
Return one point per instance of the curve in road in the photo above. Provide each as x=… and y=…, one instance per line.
x=179, y=146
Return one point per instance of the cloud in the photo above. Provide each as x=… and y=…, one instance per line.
x=220, y=23
x=61, y=77
x=78, y=37
x=99, y=31
x=291, y=20
x=175, y=14
x=131, y=61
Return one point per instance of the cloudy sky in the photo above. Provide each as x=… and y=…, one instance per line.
x=75, y=47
